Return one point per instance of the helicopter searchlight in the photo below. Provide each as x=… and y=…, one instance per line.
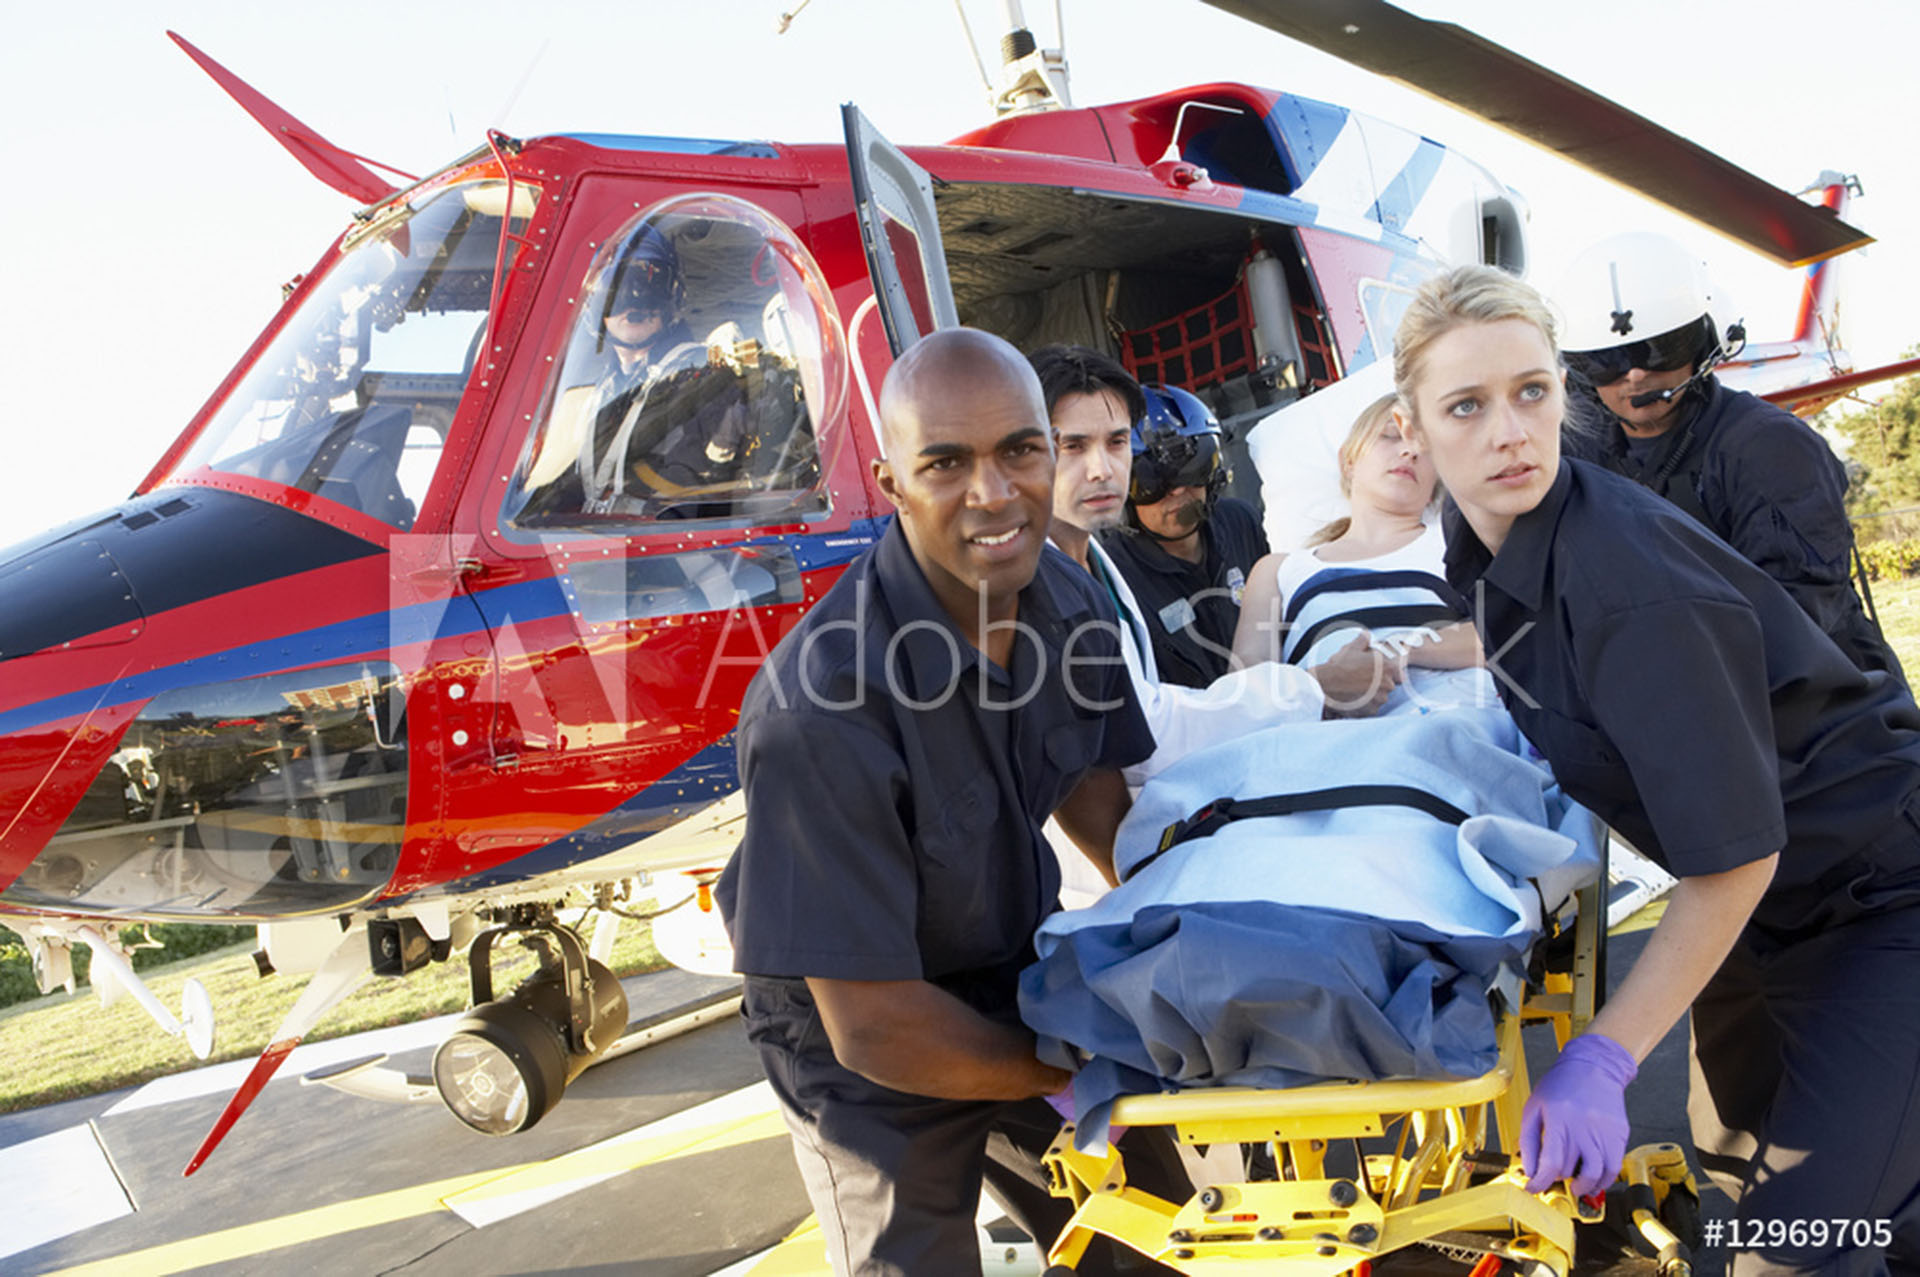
x=508, y=1061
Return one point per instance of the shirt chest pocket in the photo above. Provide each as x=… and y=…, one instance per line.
x=963, y=819
x=968, y=890
x=1584, y=761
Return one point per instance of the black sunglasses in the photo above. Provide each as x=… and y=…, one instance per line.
x=1173, y=461
x=644, y=287
x=1677, y=348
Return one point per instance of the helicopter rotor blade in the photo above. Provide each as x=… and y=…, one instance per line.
x=339, y=168
x=1473, y=74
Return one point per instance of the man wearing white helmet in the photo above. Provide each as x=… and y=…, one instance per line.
x=1640, y=344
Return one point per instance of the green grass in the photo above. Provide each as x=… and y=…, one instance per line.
x=1898, y=603
x=66, y=1046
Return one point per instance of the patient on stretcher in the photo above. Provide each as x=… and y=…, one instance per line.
x=1349, y=911
x=1377, y=572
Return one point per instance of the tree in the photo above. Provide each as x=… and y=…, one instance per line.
x=1884, y=450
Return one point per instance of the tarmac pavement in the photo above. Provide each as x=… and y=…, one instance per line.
x=671, y=1160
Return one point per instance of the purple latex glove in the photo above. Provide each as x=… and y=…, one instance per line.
x=1574, y=1126
x=1063, y=1104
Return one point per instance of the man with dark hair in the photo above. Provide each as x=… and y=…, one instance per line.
x=1095, y=407
x=900, y=751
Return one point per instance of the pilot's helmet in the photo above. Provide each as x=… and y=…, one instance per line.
x=643, y=276
x=1176, y=444
x=1638, y=300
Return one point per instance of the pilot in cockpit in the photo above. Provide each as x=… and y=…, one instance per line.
x=668, y=418
x=639, y=305
x=680, y=396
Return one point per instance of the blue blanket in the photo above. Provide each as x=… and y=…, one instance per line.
x=1361, y=942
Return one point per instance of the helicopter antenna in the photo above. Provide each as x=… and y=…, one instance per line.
x=1031, y=78
x=786, y=19
x=513, y=98
x=986, y=80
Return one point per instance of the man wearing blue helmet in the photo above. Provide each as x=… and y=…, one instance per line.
x=664, y=424
x=1185, y=550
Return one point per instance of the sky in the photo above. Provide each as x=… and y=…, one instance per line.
x=148, y=223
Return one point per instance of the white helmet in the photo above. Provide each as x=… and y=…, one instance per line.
x=1637, y=300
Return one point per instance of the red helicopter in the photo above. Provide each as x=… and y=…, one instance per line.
x=433, y=624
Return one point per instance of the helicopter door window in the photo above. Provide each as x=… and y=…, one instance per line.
x=353, y=399
x=1384, y=303
x=698, y=373
x=900, y=227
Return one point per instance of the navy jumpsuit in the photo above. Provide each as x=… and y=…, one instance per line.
x=1682, y=695
x=1192, y=608
x=1770, y=487
x=896, y=785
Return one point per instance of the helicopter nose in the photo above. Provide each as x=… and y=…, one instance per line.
x=67, y=615
x=71, y=594
x=151, y=763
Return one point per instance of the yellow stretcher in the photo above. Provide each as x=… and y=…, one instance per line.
x=1447, y=1174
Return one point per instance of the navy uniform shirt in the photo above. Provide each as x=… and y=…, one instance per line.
x=897, y=780
x=1769, y=486
x=1191, y=609
x=1680, y=694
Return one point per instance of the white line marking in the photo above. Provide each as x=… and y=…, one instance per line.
x=54, y=1186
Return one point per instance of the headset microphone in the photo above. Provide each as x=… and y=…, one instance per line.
x=1674, y=392
x=1736, y=342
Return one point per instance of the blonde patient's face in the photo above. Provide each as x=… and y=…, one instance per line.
x=1392, y=474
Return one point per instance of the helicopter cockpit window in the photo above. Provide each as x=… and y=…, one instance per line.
x=353, y=399
x=702, y=362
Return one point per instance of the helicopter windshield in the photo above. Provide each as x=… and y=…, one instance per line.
x=701, y=370
x=353, y=399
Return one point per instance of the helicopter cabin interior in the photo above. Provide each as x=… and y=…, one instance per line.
x=1250, y=304
x=1187, y=296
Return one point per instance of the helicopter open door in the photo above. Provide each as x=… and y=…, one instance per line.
x=893, y=198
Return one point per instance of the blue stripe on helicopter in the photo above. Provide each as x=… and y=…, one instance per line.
x=1303, y=131
x=675, y=145
x=358, y=636
x=701, y=781
x=377, y=631
x=1409, y=186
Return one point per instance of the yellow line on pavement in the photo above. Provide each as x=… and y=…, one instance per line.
x=288, y=1230
x=625, y=1152
x=622, y=1153
x=803, y=1253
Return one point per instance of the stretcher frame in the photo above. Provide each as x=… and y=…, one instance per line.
x=1448, y=1184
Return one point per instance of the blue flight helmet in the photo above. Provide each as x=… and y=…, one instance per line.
x=1175, y=445
x=644, y=275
